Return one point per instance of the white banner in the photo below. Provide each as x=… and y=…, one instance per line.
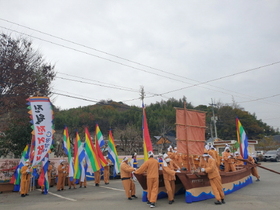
x=42, y=116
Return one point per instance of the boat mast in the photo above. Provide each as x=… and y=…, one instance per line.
x=186, y=135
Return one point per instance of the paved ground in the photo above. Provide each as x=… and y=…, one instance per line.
x=259, y=195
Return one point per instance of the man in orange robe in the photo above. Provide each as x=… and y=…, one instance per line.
x=107, y=170
x=151, y=166
x=127, y=182
x=169, y=178
x=50, y=167
x=214, y=177
x=237, y=157
x=97, y=178
x=214, y=154
x=61, y=169
x=25, y=179
x=70, y=183
x=228, y=160
x=254, y=170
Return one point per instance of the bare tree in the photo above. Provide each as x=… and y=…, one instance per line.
x=131, y=140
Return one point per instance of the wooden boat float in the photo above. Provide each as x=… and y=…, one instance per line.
x=190, y=138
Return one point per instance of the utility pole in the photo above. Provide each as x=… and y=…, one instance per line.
x=214, y=118
x=142, y=94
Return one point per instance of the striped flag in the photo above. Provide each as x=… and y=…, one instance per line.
x=147, y=144
x=16, y=176
x=67, y=150
x=91, y=154
x=100, y=143
x=79, y=155
x=242, y=139
x=43, y=178
x=112, y=153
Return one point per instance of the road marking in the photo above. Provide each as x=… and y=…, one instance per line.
x=70, y=199
x=112, y=188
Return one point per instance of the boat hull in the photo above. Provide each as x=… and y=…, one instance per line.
x=197, y=186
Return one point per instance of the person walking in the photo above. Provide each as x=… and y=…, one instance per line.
x=25, y=177
x=61, y=169
x=169, y=178
x=127, y=182
x=151, y=166
x=214, y=177
x=106, y=172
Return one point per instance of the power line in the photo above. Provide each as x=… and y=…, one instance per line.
x=97, y=56
x=258, y=99
x=219, y=78
x=198, y=84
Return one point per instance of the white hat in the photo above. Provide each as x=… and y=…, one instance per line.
x=227, y=148
x=124, y=159
x=150, y=154
x=159, y=154
x=135, y=154
x=61, y=161
x=169, y=148
x=27, y=161
x=205, y=155
x=165, y=156
x=236, y=153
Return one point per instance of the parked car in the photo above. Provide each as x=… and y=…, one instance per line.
x=272, y=155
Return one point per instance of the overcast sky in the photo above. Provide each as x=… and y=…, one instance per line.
x=220, y=50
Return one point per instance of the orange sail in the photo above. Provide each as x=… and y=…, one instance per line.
x=190, y=130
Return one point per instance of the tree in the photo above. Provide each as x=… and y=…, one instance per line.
x=23, y=73
x=131, y=139
x=267, y=143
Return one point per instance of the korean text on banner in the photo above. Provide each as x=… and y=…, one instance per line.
x=42, y=117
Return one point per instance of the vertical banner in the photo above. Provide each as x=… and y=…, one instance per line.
x=41, y=114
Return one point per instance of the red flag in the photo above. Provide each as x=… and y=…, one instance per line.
x=12, y=181
x=147, y=144
x=103, y=161
x=41, y=178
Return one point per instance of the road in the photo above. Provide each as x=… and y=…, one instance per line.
x=259, y=195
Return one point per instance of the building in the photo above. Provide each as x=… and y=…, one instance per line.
x=220, y=145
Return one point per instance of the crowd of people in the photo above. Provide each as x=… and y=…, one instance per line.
x=169, y=163
x=172, y=162
x=61, y=174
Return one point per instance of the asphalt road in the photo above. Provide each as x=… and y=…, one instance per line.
x=259, y=195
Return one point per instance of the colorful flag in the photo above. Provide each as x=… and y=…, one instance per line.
x=112, y=154
x=100, y=143
x=242, y=139
x=67, y=149
x=84, y=167
x=43, y=178
x=16, y=176
x=99, y=137
x=41, y=114
x=147, y=144
x=79, y=155
x=91, y=153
